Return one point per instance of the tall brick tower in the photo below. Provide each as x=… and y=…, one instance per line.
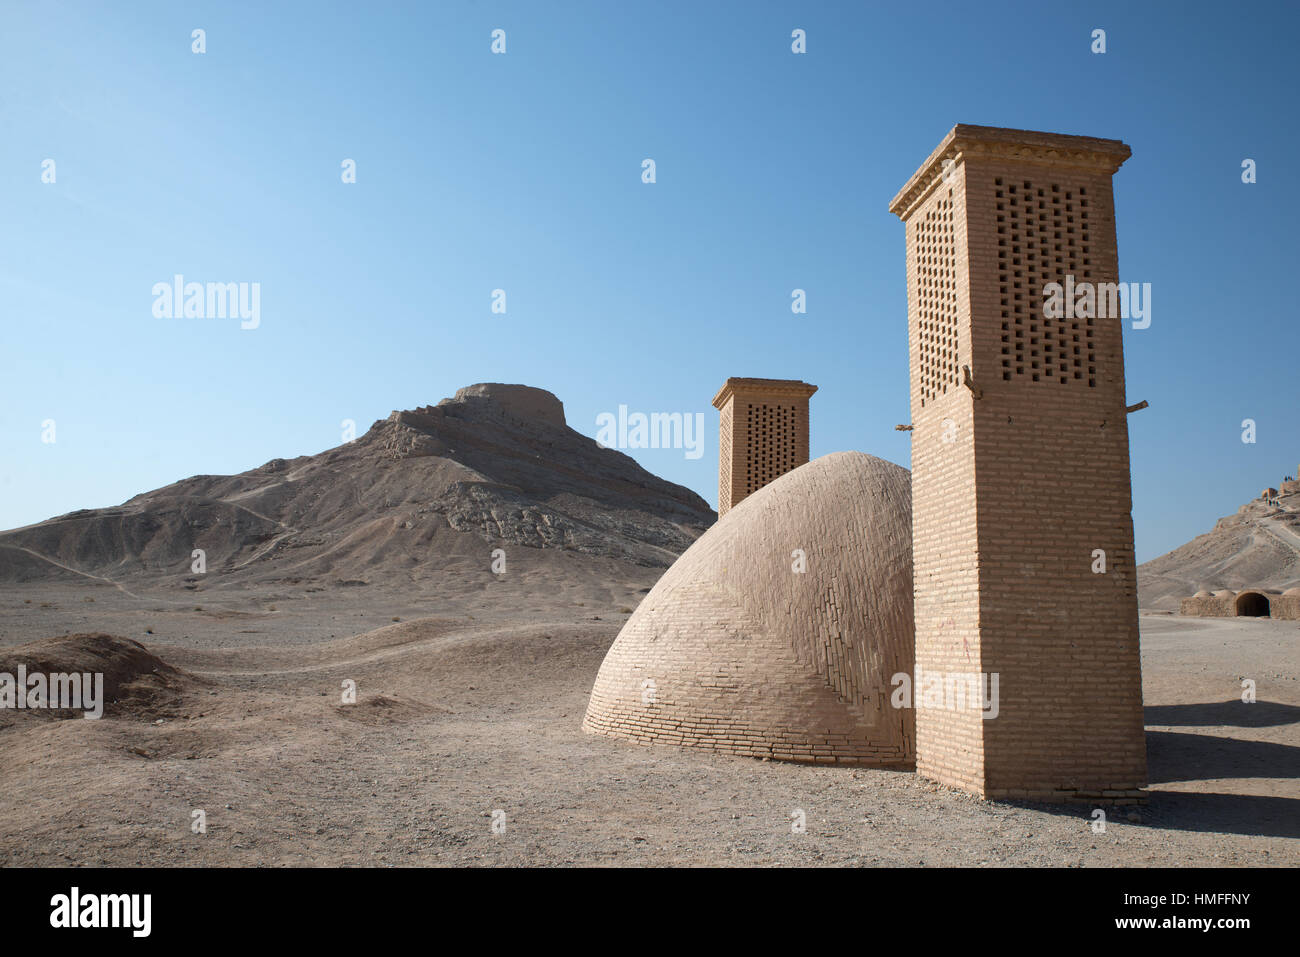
x=762, y=434
x=1020, y=469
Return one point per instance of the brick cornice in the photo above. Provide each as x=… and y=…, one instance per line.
x=1020, y=146
x=782, y=387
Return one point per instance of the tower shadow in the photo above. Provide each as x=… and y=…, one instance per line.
x=1227, y=714
x=1180, y=757
x=1258, y=815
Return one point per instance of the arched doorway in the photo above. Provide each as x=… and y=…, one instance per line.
x=1251, y=604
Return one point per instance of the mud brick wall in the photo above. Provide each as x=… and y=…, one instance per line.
x=762, y=434
x=1209, y=606
x=733, y=650
x=1020, y=477
x=1285, y=606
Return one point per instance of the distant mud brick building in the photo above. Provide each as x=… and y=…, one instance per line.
x=1206, y=604
x=1020, y=468
x=1248, y=603
x=763, y=433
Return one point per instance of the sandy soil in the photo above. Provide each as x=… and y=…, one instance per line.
x=469, y=708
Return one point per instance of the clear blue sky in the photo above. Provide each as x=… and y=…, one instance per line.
x=523, y=172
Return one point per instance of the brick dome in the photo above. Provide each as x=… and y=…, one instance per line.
x=735, y=651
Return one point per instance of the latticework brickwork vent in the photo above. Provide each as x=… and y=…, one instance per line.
x=762, y=434
x=725, y=464
x=1031, y=209
x=773, y=447
x=936, y=248
x=1043, y=238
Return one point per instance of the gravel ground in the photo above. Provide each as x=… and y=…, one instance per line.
x=465, y=748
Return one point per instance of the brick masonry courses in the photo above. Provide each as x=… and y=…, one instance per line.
x=1014, y=490
x=762, y=434
x=1021, y=472
x=733, y=650
x=1285, y=606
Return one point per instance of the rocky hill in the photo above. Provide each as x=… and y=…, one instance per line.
x=1257, y=547
x=495, y=464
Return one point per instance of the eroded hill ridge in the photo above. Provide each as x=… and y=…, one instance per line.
x=495, y=462
x=1258, y=546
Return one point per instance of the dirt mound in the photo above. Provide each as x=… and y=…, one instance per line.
x=136, y=683
x=496, y=463
x=381, y=709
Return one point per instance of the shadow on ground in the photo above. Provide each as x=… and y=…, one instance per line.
x=1176, y=756
x=1226, y=714
x=1257, y=815
x=1213, y=813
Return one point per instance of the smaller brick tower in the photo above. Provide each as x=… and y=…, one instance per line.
x=762, y=434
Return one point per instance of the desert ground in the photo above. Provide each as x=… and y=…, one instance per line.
x=470, y=700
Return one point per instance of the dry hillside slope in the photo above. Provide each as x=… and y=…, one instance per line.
x=494, y=464
x=1257, y=547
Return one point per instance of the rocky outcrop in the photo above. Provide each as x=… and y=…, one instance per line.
x=1256, y=547
x=496, y=462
